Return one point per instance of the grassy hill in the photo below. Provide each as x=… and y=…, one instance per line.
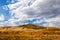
x=29, y=32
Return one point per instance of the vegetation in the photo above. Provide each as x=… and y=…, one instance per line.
x=29, y=32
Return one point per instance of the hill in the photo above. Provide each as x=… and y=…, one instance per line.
x=29, y=32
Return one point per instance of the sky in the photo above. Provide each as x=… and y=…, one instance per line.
x=37, y=12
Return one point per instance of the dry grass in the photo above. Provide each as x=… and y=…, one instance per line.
x=29, y=32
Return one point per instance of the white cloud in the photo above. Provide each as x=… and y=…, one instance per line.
x=22, y=10
x=48, y=9
x=1, y=17
x=54, y=21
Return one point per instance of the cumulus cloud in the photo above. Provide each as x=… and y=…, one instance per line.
x=1, y=17
x=25, y=10
x=54, y=21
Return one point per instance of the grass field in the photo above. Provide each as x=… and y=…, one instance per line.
x=29, y=32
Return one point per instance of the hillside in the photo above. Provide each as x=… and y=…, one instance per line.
x=29, y=32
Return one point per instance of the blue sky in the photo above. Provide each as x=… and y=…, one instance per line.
x=2, y=11
x=5, y=12
x=38, y=12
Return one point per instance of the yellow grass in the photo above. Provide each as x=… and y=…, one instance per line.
x=29, y=32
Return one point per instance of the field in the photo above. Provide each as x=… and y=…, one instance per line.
x=29, y=32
